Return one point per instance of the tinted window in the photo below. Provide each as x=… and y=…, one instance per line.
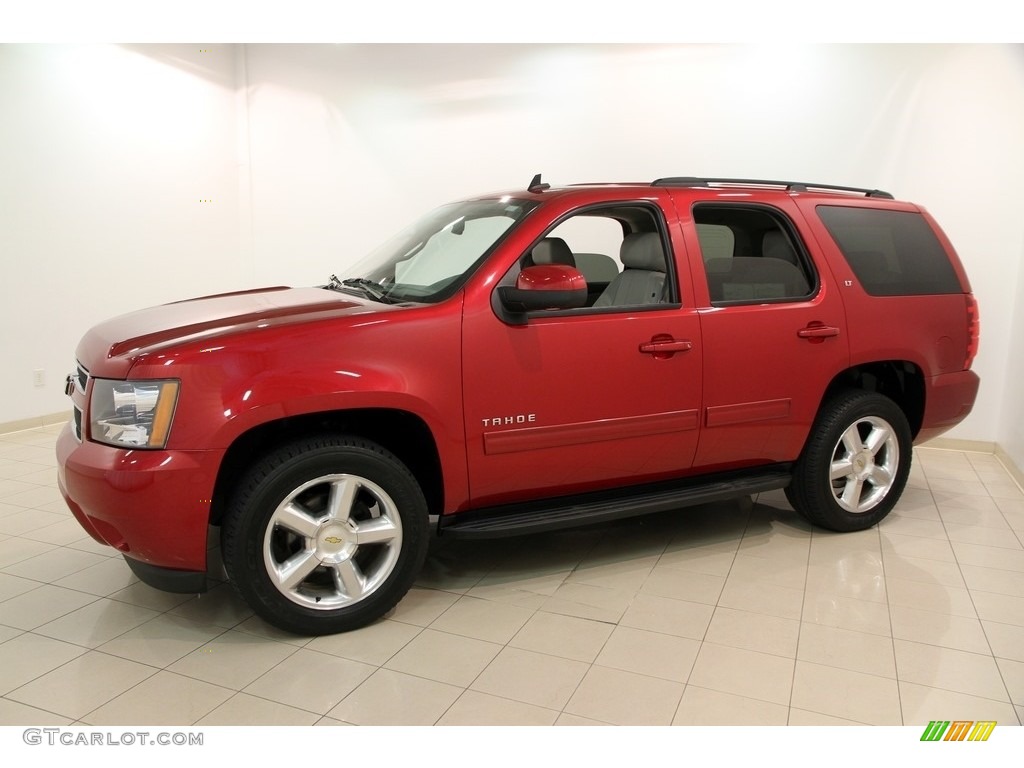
x=751, y=255
x=892, y=253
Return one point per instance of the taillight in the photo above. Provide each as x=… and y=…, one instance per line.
x=973, y=330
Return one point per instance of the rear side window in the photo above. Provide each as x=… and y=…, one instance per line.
x=751, y=255
x=892, y=253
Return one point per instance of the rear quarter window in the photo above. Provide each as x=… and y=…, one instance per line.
x=892, y=253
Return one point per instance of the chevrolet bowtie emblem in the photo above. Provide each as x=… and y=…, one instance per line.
x=333, y=540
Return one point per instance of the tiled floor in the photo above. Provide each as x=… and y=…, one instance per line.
x=735, y=613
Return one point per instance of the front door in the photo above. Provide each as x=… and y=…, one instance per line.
x=591, y=398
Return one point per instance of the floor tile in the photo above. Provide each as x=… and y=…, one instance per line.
x=482, y=619
x=102, y=579
x=989, y=557
x=649, y=653
x=846, y=613
x=220, y=606
x=15, y=550
x=803, y=717
x=233, y=659
x=163, y=699
x=29, y=656
x=12, y=586
x=754, y=631
x=847, y=649
x=761, y=597
x=1005, y=609
x=920, y=704
x=15, y=713
x=96, y=623
x=589, y=602
x=958, y=632
x=922, y=569
x=243, y=709
x=394, y=698
x=444, y=657
x=530, y=677
x=995, y=580
x=1006, y=640
x=312, y=681
x=846, y=694
x=701, y=706
x=625, y=698
x=970, y=673
x=671, y=582
x=82, y=684
x=474, y=708
x=671, y=617
x=1013, y=676
x=745, y=673
x=162, y=640
x=422, y=606
x=930, y=596
x=565, y=636
x=373, y=644
x=41, y=605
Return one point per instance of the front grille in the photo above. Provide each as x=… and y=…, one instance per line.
x=81, y=377
x=76, y=423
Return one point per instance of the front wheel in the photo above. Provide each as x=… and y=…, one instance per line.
x=855, y=464
x=325, y=535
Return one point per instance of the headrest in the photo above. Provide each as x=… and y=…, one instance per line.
x=643, y=250
x=552, y=250
x=776, y=246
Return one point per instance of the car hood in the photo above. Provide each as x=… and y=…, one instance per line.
x=121, y=340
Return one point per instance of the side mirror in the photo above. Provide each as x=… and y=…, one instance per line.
x=545, y=286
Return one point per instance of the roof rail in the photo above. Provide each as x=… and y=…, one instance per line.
x=790, y=186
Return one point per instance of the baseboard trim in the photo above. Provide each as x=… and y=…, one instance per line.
x=34, y=423
x=953, y=444
x=1007, y=461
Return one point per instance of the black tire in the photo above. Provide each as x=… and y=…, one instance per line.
x=325, y=534
x=866, y=434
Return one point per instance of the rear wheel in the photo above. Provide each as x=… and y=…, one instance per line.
x=325, y=535
x=855, y=464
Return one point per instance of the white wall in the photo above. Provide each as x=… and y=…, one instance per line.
x=321, y=152
x=105, y=154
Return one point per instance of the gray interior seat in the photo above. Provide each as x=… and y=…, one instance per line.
x=775, y=245
x=597, y=267
x=642, y=280
x=753, y=278
x=552, y=250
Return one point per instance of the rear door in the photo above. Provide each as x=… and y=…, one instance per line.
x=773, y=327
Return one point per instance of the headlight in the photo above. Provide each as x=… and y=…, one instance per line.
x=132, y=414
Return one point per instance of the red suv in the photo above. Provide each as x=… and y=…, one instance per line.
x=519, y=362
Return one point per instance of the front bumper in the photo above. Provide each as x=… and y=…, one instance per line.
x=152, y=506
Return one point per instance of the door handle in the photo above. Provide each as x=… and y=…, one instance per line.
x=817, y=331
x=665, y=346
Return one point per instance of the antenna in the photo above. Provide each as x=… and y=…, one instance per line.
x=536, y=185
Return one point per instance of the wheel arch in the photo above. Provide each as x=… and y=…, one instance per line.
x=404, y=434
x=900, y=380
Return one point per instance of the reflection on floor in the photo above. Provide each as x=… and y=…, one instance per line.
x=734, y=613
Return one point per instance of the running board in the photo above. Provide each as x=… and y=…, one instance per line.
x=572, y=511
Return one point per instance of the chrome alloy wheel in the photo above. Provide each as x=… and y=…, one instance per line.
x=864, y=465
x=332, y=541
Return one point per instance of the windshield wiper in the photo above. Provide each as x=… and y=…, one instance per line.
x=369, y=287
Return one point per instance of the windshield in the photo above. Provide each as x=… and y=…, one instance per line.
x=431, y=259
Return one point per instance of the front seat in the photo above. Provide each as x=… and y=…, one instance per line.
x=642, y=280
